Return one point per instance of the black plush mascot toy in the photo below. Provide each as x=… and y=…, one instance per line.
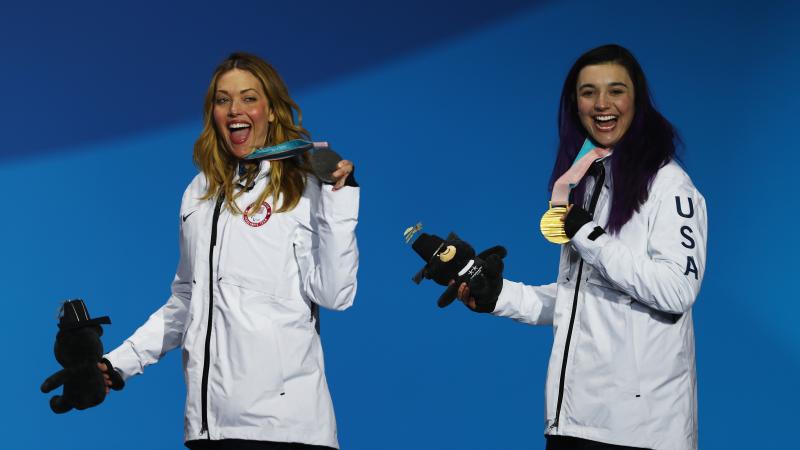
x=78, y=349
x=454, y=259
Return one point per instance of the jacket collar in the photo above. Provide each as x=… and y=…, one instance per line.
x=263, y=171
x=608, y=181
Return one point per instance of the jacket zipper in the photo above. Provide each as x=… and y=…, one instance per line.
x=598, y=187
x=207, y=353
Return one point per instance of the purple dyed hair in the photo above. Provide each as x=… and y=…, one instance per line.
x=648, y=145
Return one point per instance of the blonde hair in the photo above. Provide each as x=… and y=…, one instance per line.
x=287, y=179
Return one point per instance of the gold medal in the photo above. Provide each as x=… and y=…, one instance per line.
x=552, y=224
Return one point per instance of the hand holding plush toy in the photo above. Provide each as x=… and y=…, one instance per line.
x=79, y=349
x=452, y=262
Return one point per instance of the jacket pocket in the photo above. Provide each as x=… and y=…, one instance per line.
x=605, y=390
x=248, y=351
x=565, y=262
x=604, y=289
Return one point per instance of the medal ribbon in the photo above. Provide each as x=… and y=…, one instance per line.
x=285, y=150
x=562, y=187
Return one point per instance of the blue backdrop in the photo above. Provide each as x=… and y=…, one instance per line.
x=449, y=113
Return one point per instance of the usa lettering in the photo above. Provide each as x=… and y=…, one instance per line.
x=686, y=231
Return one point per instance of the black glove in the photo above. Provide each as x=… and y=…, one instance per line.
x=117, y=383
x=484, y=278
x=576, y=218
x=486, y=286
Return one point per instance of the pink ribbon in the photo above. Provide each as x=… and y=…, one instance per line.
x=574, y=175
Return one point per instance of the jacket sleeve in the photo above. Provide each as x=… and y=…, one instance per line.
x=669, y=276
x=533, y=305
x=325, y=247
x=163, y=331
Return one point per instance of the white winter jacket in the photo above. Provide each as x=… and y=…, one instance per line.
x=622, y=367
x=241, y=311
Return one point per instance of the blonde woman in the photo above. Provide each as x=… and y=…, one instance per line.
x=262, y=245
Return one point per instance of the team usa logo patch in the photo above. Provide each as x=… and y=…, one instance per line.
x=257, y=218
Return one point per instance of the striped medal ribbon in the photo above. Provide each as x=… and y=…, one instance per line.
x=285, y=150
x=552, y=223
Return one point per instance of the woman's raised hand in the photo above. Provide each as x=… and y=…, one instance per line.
x=343, y=170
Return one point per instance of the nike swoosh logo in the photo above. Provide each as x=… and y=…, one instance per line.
x=187, y=215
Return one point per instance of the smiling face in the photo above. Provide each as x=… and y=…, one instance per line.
x=242, y=113
x=605, y=102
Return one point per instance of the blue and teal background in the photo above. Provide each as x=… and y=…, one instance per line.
x=448, y=110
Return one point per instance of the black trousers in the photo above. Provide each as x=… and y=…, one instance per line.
x=573, y=443
x=239, y=444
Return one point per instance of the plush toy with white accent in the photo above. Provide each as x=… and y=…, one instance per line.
x=453, y=259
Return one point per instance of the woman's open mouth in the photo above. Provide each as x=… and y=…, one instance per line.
x=605, y=122
x=239, y=132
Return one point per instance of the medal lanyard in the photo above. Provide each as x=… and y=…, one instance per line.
x=552, y=223
x=285, y=150
x=564, y=184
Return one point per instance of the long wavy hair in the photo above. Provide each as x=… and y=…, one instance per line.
x=287, y=179
x=649, y=144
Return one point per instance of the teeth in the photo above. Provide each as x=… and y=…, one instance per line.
x=238, y=125
x=604, y=118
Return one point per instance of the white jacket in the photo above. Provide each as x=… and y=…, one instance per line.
x=622, y=367
x=257, y=359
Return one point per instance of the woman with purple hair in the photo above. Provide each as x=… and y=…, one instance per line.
x=622, y=368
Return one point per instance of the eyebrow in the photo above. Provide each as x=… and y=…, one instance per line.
x=615, y=83
x=223, y=91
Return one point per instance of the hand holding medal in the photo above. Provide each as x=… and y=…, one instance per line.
x=552, y=223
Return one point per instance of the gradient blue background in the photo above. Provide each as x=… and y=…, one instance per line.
x=449, y=112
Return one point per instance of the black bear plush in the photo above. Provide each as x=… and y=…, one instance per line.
x=453, y=259
x=78, y=349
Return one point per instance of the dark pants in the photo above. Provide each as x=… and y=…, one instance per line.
x=572, y=443
x=239, y=444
